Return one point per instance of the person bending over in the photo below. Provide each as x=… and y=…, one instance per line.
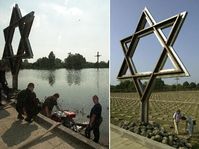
x=49, y=103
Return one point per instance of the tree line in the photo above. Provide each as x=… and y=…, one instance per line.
x=128, y=86
x=73, y=61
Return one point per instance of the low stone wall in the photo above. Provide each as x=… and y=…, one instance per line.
x=155, y=132
x=68, y=133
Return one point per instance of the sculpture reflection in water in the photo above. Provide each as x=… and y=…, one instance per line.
x=73, y=77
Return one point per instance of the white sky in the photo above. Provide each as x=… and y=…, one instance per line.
x=62, y=26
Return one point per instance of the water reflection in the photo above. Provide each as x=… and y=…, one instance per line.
x=49, y=76
x=97, y=80
x=73, y=77
x=81, y=112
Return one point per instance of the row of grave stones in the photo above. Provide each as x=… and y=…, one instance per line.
x=123, y=109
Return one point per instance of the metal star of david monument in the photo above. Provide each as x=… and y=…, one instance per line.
x=129, y=45
x=24, y=48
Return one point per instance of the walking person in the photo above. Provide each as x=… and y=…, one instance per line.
x=49, y=103
x=27, y=103
x=176, y=119
x=189, y=125
x=95, y=120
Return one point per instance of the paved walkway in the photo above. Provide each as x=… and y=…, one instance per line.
x=119, y=141
x=14, y=132
x=124, y=139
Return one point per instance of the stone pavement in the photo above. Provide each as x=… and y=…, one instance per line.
x=14, y=132
x=119, y=141
x=124, y=139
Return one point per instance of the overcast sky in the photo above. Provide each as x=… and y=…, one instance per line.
x=62, y=26
x=124, y=19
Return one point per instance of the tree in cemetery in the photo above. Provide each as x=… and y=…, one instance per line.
x=197, y=86
x=124, y=86
x=192, y=85
x=159, y=84
x=127, y=86
x=186, y=85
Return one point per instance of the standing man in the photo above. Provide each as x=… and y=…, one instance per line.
x=95, y=120
x=27, y=102
x=176, y=119
x=49, y=103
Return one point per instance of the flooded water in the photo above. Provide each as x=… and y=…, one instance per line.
x=76, y=88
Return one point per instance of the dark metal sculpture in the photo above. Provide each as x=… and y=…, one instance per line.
x=175, y=22
x=24, y=48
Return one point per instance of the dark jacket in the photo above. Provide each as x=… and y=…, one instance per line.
x=27, y=100
x=97, y=110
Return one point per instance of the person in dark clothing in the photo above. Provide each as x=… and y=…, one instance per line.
x=3, y=80
x=27, y=103
x=1, y=94
x=95, y=120
x=49, y=103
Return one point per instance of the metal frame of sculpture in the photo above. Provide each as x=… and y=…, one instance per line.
x=24, y=49
x=168, y=52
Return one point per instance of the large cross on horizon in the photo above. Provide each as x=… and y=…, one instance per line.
x=98, y=55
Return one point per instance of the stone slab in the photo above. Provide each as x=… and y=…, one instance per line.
x=121, y=137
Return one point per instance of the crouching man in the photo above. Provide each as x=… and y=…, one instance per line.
x=27, y=103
